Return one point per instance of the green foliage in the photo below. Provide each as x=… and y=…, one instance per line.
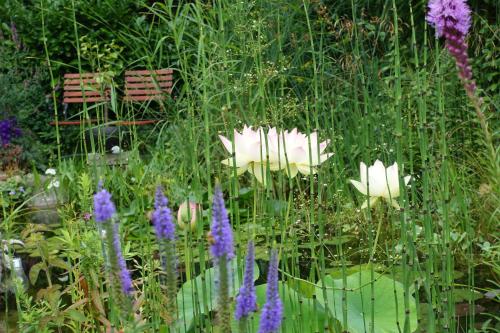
x=23, y=88
x=197, y=298
x=99, y=20
x=368, y=300
x=301, y=314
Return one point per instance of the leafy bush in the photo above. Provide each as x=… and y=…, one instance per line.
x=23, y=97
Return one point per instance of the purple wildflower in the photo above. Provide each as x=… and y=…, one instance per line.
x=452, y=20
x=126, y=280
x=221, y=231
x=272, y=312
x=444, y=14
x=246, y=302
x=8, y=130
x=165, y=232
x=160, y=199
x=104, y=208
x=162, y=217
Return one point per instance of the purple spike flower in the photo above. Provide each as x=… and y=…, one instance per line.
x=160, y=199
x=104, y=209
x=246, y=302
x=222, y=249
x=165, y=232
x=162, y=217
x=272, y=312
x=221, y=231
x=452, y=20
x=126, y=280
x=444, y=14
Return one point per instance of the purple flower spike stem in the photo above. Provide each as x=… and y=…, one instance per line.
x=452, y=20
x=104, y=214
x=272, y=312
x=246, y=301
x=222, y=250
x=165, y=233
x=126, y=280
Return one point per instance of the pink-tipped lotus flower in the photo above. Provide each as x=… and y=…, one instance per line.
x=296, y=152
x=188, y=212
x=382, y=182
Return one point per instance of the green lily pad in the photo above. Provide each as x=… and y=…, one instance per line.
x=385, y=312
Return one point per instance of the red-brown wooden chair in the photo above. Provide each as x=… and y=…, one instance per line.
x=148, y=85
x=82, y=88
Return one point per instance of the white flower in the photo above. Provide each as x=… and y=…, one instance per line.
x=292, y=151
x=53, y=183
x=249, y=152
x=50, y=171
x=381, y=183
x=296, y=152
x=116, y=150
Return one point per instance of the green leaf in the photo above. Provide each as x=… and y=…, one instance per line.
x=338, y=273
x=57, y=262
x=385, y=311
x=35, y=270
x=305, y=288
x=466, y=295
x=76, y=315
x=197, y=297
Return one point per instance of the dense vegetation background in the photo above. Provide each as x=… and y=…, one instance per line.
x=115, y=35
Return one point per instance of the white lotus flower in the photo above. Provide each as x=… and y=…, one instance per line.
x=302, y=152
x=382, y=182
x=249, y=152
x=50, y=171
x=287, y=150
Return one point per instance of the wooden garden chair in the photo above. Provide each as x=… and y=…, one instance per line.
x=148, y=85
x=82, y=88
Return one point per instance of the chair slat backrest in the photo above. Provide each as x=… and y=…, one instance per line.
x=145, y=85
x=83, y=87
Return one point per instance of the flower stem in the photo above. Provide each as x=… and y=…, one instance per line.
x=223, y=310
x=187, y=258
x=376, y=239
x=243, y=325
x=170, y=280
x=477, y=102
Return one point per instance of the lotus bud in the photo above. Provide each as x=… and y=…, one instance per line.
x=188, y=213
